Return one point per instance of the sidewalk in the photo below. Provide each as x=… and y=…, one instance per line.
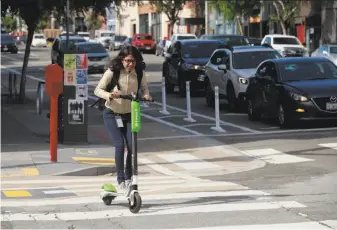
x=25, y=147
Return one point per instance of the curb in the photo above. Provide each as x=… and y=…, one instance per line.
x=90, y=171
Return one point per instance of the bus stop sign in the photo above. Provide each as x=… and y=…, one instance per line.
x=54, y=79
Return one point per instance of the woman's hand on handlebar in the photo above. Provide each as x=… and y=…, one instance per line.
x=114, y=94
x=147, y=98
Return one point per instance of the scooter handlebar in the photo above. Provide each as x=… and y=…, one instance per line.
x=131, y=97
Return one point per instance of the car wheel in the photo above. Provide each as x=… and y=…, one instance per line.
x=253, y=113
x=232, y=100
x=283, y=117
x=209, y=95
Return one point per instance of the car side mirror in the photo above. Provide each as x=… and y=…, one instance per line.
x=222, y=67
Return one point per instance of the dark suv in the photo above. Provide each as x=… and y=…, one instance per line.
x=8, y=44
x=185, y=61
x=59, y=47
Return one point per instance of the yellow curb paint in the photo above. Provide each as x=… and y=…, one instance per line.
x=98, y=161
x=17, y=193
x=30, y=171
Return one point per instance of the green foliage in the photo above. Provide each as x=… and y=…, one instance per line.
x=233, y=8
x=94, y=22
x=170, y=8
x=9, y=23
x=286, y=10
x=43, y=22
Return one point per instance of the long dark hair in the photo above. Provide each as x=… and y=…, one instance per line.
x=116, y=63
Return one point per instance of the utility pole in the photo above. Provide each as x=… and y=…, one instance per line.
x=206, y=17
x=67, y=21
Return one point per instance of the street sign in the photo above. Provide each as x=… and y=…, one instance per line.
x=54, y=79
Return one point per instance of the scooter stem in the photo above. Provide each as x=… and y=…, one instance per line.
x=134, y=185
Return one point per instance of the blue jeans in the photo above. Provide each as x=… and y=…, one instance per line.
x=119, y=136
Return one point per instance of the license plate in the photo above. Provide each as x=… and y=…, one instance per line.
x=331, y=106
x=5, y=48
x=201, y=77
x=147, y=47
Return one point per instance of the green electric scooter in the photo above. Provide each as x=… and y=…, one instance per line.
x=109, y=192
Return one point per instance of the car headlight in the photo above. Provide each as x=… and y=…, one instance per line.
x=243, y=80
x=298, y=97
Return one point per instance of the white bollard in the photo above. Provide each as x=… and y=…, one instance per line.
x=217, y=111
x=188, y=104
x=163, y=97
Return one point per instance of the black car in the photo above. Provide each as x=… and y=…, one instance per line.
x=185, y=61
x=8, y=44
x=293, y=89
x=229, y=40
x=59, y=47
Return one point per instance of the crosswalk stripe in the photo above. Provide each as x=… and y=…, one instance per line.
x=329, y=145
x=67, y=216
x=188, y=161
x=149, y=198
x=273, y=156
x=93, y=179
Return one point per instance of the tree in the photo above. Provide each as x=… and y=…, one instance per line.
x=31, y=11
x=234, y=10
x=285, y=12
x=199, y=13
x=94, y=22
x=171, y=8
x=329, y=22
x=9, y=23
x=43, y=22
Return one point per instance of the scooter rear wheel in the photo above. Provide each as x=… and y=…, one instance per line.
x=108, y=200
x=137, y=203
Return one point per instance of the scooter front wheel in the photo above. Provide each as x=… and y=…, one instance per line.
x=137, y=203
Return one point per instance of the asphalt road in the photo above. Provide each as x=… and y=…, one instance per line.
x=296, y=188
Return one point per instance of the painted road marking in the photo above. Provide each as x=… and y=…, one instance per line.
x=86, y=152
x=91, y=160
x=30, y=171
x=329, y=145
x=145, y=197
x=94, y=215
x=273, y=156
x=17, y=193
x=188, y=161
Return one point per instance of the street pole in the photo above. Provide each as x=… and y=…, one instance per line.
x=67, y=18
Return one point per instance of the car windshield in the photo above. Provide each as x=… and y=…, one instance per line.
x=185, y=37
x=120, y=38
x=107, y=34
x=310, y=70
x=144, y=37
x=83, y=35
x=333, y=49
x=194, y=51
x=72, y=43
x=286, y=41
x=231, y=40
x=91, y=48
x=39, y=37
x=250, y=60
x=6, y=38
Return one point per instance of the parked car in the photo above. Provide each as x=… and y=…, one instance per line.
x=8, y=44
x=293, y=89
x=85, y=35
x=98, y=57
x=286, y=45
x=59, y=48
x=160, y=48
x=185, y=61
x=127, y=42
x=116, y=42
x=144, y=43
x=230, y=69
x=179, y=37
x=229, y=40
x=255, y=41
x=328, y=51
x=39, y=40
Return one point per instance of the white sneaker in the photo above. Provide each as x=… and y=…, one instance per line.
x=121, y=188
x=127, y=187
